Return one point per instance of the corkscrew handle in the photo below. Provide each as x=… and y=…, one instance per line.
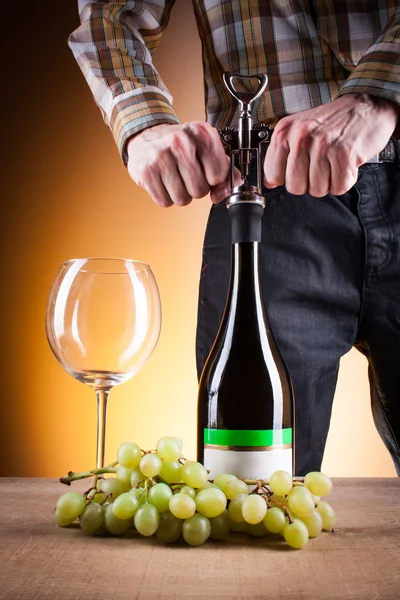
x=245, y=99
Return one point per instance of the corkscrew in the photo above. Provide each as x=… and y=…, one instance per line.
x=247, y=143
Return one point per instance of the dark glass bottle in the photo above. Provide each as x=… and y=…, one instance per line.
x=245, y=401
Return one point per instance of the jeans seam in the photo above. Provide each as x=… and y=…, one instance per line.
x=367, y=271
x=387, y=223
x=396, y=445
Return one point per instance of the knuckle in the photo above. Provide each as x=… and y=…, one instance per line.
x=182, y=200
x=199, y=191
x=178, y=141
x=296, y=190
x=323, y=139
x=317, y=193
x=163, y=202
x=280, y=133
x=159, y=199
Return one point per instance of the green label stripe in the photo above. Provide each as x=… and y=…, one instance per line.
x=247, y=437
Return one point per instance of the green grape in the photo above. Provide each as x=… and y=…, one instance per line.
x=182, y=506
x=147, y=519
x=178, y=439
x=300, y=501
x=186, y=489
x=136, y=477
x=256, y=529
x=318, y=483
x=235, y=508
x=62, y=521
x=254, y=509
x=314, y=523
x=113, y=486
x=138, y=492
x=233, y=487
x=98, y=498
x=150, y=465
x=280, y=483
x=235, y=526
x=169, y=449
x=124, y=475
x=196, y=530
x=207, y=486
x=296, y=534
x=129, y=455
x=125, y=506
x=222, y=479
x=274, y=520
x=70, y=505
x=327, y=513
x=170, y=528
x=92, y=518
x=160, y=495
x=171, y=472
x=194, y=474
x=210, y=502
x=220, y=526
x=113, y=524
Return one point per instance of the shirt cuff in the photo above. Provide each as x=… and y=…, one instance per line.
x=377, y=74
x=135, y=111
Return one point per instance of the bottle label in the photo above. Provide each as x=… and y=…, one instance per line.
x=248, y=454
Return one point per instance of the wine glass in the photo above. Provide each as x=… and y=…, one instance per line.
x=103, y=321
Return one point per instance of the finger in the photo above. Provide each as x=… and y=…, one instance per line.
x=210, y=152
x=174, y=184
x=157, y=190
x=193, y=177
x=297, y=171
x=275, y=161
x=320, y=173
x=344, y=172
x=223, y=190
x=219, y=192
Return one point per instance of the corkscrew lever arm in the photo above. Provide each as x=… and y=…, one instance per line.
x=245, y=99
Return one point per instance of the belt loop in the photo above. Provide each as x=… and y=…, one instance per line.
x=397, y=150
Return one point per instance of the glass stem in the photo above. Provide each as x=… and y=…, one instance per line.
x=102, y=397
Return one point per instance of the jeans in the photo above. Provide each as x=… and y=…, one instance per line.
x=330, y=272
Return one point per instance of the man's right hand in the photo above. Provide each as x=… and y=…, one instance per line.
x=176, y=163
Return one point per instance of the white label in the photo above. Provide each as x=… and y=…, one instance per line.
x=256, y=464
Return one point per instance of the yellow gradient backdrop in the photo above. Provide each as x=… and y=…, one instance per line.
x=66, y=195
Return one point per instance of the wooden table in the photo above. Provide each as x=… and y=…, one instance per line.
x=361, y=560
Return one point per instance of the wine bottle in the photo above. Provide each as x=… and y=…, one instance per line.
x=245, y=400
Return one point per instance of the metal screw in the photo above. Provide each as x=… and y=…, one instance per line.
x=227, y=137
x=262, y=134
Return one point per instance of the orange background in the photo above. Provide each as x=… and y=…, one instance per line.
x=66, y=195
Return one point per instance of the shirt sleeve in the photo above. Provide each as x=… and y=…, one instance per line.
x=113, y=46
x=378, y=71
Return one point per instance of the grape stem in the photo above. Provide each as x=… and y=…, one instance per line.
x=262, y=483
x=71, y=476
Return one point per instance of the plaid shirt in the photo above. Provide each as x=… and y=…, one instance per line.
x=311, y=50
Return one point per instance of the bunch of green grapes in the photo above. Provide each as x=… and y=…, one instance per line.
x=160, y=492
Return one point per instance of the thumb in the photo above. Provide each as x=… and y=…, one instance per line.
x=219, y=192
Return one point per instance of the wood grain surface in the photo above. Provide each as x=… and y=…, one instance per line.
x=360, y=561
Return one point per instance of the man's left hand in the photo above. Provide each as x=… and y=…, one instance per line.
x=320, y=150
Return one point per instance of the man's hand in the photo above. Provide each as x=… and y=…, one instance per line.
x=176, y=163
x=320, y=150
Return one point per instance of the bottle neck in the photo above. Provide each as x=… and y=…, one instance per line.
x=245, y=292
x=246, y=219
